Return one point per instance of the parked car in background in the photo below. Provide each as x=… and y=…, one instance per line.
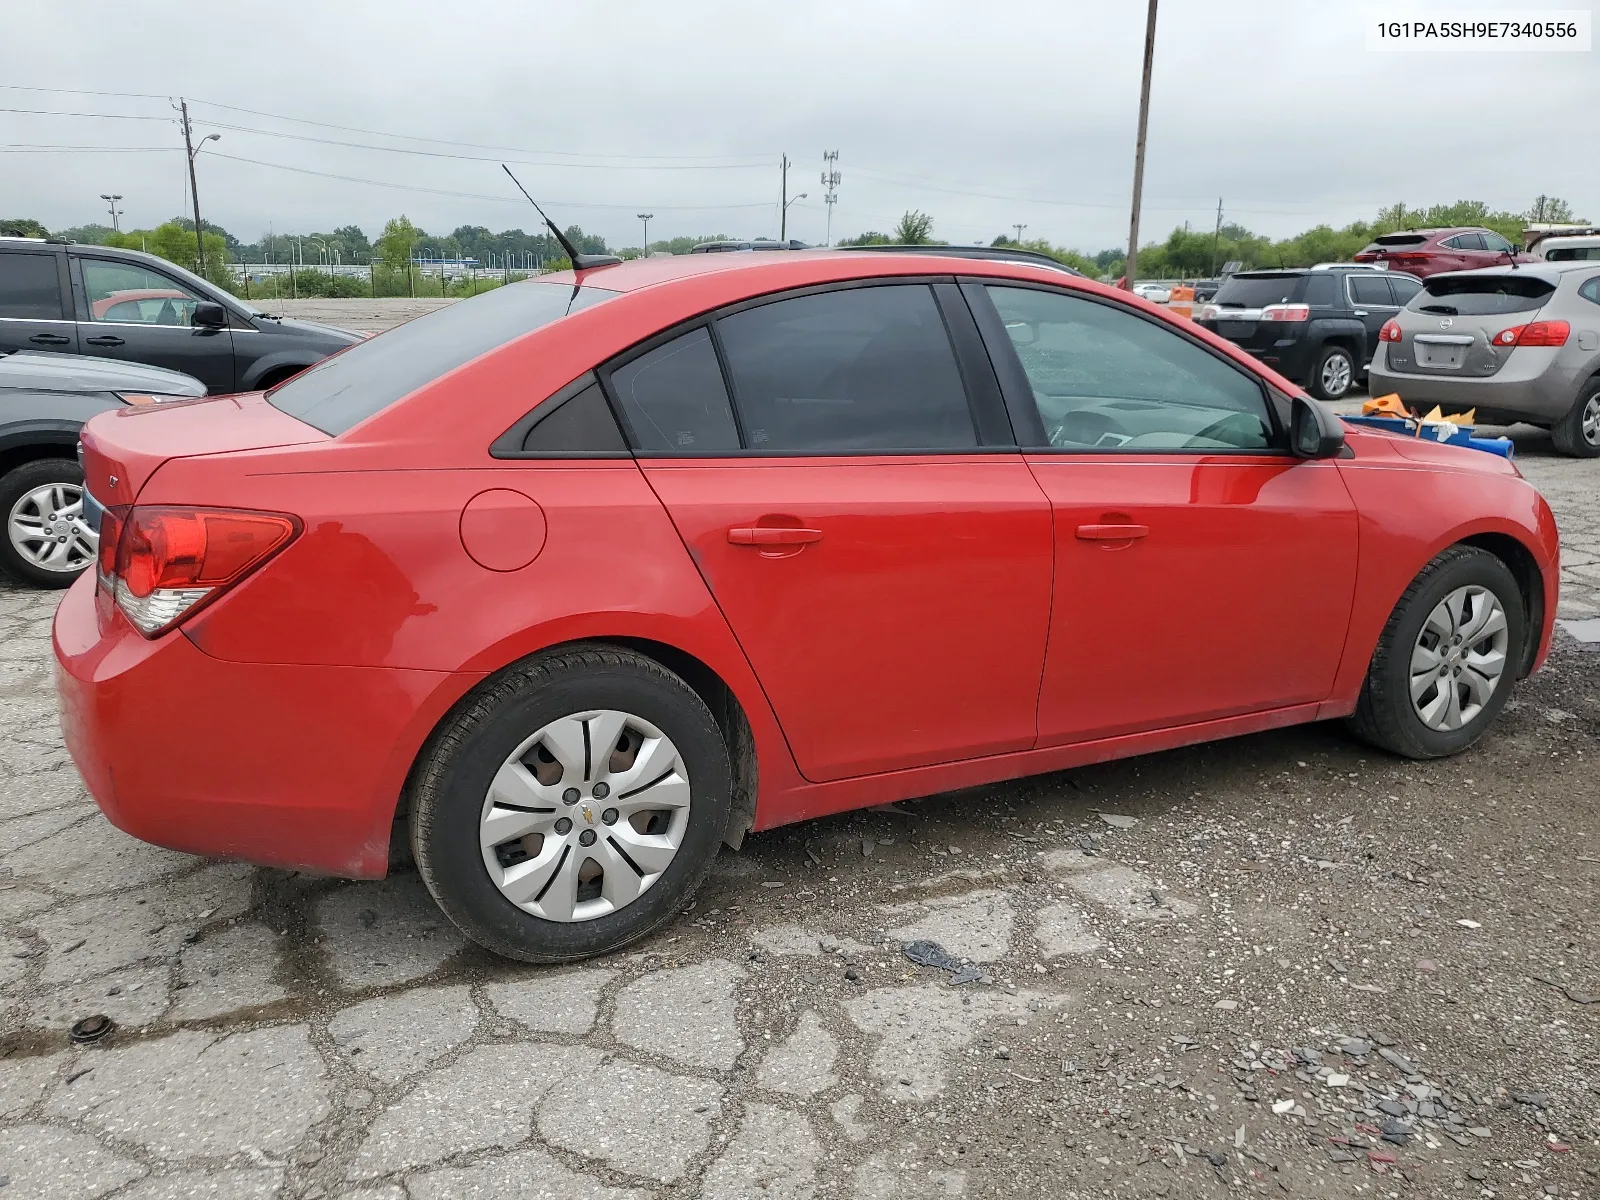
x=1569, y=248
x=44, y=401
x=1317, y=325
x=137, y=308
x=1516, y=344
x=1206, y=289
x=1425, y=252
x=591, y=573
x=991, y=253
x=1154, y=292
x=734, y=245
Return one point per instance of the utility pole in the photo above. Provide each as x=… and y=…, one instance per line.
x=783, y=200
x=645, y=217
x=830, y=180
x=1138, y=153
x=112, y=199
x=1019, y=229
x=194, y=189
x=1216, y=237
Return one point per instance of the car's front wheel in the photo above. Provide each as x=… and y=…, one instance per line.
x=1334, y=374
x=571, y=805
x=47, y=542
x=1578, y=433
x=1447, y=659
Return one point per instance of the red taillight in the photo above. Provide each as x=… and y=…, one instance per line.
x=161, y=563
x=1390, y=332
x=1286, y=312
x=1538, y=333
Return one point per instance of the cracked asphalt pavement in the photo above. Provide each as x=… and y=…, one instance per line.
x=1302, y=968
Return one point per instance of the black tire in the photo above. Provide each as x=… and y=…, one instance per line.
x=453, y=775
x=1316, y=386
x=1568, y=434
x=1384, y=714
x=16, y=484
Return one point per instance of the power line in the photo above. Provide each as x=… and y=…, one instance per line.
x=406, y=187
x=27, y=148
x=18, y=87
x=46, y=112
x=588, y=166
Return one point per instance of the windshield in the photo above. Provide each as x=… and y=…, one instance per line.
x=346, y=389
x=1481, y=295
x=1258, y=291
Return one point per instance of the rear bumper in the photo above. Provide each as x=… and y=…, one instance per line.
x=287, y=766
x=1542, y=398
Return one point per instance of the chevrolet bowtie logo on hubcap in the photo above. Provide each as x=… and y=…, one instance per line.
x=588, y=814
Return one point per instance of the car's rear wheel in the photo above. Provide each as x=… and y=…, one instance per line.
x=1447, y=659
x=571, y=805
x=1333, y=375
x=47, y=542
x=1578, y=433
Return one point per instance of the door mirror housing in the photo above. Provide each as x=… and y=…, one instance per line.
x=208, y=314
x=1314, y=432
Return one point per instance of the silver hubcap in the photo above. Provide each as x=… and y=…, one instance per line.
x=1459, y=658
x=1336, y=374
x=46, y=528
x=1591, y=420
x=585, y=816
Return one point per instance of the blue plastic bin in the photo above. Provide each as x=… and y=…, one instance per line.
x=1453, y=435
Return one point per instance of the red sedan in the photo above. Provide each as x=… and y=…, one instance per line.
x=584, y=576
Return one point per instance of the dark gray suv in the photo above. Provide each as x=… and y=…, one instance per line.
x=136, y=307
x=44, y=401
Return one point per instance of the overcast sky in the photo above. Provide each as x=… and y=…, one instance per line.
x=981, y=114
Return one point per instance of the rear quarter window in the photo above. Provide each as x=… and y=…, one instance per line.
x=344, y=390
x=1482, y=295
x=1590, y=291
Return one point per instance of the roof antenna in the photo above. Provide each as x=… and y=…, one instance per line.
x=580, y=262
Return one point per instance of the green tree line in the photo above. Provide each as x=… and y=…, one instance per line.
x=1184, y=254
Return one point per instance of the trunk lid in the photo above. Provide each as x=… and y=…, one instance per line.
x=1235, y=311
x=122, y=449
x=1449, y=328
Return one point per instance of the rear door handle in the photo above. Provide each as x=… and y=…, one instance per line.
x=1111, y=533
x=772, y=535
x=49, y=339
x=105, y=339
x=1361, y=312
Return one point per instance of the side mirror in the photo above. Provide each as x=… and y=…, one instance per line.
x=208, y=314
x=1314, y=432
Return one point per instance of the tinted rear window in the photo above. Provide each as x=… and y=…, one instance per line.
x=344, y=390
x=1572, y=253
x=1481, y=295
x=1258, y=291
x=1390, y=240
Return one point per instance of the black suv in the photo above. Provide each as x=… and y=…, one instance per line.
x=123, y=304
x=1318, y=326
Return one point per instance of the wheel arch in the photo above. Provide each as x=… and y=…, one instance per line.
x=719, y=696
x=1524, y=568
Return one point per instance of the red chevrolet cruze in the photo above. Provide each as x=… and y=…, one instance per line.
x=588, y=574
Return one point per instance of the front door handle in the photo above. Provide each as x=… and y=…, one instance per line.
x=106, y=339
x=773, y=535
x=49, y=339
x=1361, y=312
x=1111, y=533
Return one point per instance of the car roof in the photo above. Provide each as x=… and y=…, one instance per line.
x=996, y=253
x=1550, y=272
x=798, y=268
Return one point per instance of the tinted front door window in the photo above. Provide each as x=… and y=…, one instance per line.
x=140, y=315
x=1105, y=379
x=864, y=369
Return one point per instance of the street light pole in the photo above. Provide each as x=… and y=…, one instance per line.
x=112, y=199
x=645, y=217
x=786, y=203
x=194, y=188
x=1138, y=153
